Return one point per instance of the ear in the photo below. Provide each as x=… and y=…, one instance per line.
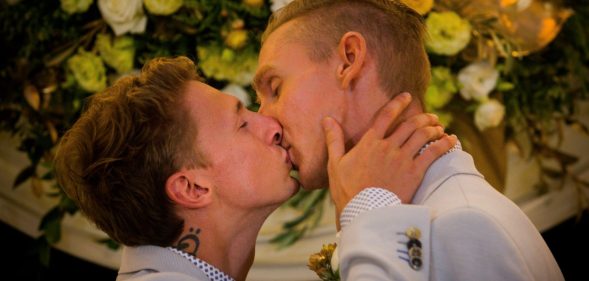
x=352, y=55
x=189, y=189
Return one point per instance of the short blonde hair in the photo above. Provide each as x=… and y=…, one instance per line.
x=394, y=33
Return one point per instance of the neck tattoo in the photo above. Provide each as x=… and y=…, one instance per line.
x=189, y=243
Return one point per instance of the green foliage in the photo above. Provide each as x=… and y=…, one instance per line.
x=310, y=206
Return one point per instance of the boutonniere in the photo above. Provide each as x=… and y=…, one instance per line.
x=326, y=263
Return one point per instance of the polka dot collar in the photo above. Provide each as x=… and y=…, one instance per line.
x=212, y=272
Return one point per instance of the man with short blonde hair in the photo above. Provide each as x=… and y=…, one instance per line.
x=326, y=69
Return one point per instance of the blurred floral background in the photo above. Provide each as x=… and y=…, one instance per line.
x=503, y=72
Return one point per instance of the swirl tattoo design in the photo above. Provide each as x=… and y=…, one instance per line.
x=190, y=242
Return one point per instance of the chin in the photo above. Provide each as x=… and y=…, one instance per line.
x=313, y=181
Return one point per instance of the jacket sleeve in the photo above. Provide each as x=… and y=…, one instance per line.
x=482, y=249
x=375, y=245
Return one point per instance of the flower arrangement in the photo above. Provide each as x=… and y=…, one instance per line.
x=325, y=263
x=517, y=67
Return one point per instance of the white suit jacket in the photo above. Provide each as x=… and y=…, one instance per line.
x=469, y=231
x=155, y=263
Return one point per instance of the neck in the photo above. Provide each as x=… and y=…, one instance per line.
x=226, y=242
x=363, y=110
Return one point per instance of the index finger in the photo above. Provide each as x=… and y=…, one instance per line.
x=389, y=114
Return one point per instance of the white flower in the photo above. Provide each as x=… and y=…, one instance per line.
x=335, y=260
x=448, y=33
x=123, y=15
x=238, y=92
x=278, y=4
x=478, y=80
x=163, y=7
x=489, y=114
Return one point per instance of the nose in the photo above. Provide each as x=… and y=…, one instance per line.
x=274, y=135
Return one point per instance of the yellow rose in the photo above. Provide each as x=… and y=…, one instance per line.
x=236, y=39
x=225, y=64
x=118, y=54
x=441, y=89
x=163, y=7
x=75, y=6
x=420, y=6
x=448, y=33
x=88, y=70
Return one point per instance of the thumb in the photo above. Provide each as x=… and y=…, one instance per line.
x=334, y=138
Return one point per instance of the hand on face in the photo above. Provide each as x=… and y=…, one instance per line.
x=380, y=160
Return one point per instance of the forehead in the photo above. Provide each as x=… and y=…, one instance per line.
x=208, y=107
x=280, y=43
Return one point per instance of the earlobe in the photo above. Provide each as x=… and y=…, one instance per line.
x=184, y=189
x=352, y=55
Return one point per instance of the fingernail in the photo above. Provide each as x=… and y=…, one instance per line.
x=327, y=123
x=405, y=95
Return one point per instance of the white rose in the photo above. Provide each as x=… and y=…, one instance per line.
x=163, y=7
x=238, y=92
x=278, y=4
x=478, y=80
x=123, y=15
x=489, y=114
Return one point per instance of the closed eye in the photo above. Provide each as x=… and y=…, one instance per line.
x=275, y=88
x=243, y=125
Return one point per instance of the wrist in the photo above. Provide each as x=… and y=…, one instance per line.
x=368, y=199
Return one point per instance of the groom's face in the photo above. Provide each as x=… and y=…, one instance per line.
x=248, y=168
x=299, y=93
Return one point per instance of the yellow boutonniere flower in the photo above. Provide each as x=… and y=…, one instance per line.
x=321, y=263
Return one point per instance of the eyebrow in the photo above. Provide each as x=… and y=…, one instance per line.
x=260, y=76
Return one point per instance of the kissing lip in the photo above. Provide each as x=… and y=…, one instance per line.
x=286, y=156
x=289, y=153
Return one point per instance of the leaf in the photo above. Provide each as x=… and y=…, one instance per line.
x=111, y=244
x=24, y=175
x=32, y=96
x=288, y=238
x=298, y=198
x=51, y=225
x=37, y=186
x=67, y=205
x=44, y=251
x=552, y=173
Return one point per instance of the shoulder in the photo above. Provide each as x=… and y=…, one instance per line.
x=161, y=276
